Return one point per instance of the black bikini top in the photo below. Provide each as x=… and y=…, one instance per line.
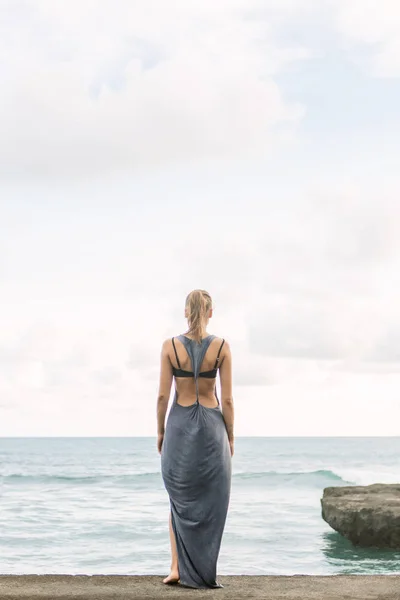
x=208, y=374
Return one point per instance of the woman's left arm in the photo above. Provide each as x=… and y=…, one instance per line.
x=164, y=391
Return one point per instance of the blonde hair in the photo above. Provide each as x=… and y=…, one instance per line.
x=197, y=303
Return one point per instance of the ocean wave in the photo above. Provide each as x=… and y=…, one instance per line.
x=319, y=477
x=76, y=479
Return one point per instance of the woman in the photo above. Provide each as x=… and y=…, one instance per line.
x=196, y=445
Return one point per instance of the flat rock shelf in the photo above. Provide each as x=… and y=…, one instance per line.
x=128, y=587
x=367, y=515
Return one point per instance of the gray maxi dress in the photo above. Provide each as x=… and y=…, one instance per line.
x=196, y=470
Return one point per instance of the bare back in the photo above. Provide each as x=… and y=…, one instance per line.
x=185, y=386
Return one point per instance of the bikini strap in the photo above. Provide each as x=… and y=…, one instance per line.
x=176, y=354
x=219, y=352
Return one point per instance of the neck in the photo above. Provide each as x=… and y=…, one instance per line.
x=203, y=333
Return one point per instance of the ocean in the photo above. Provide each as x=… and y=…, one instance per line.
x=98, y=506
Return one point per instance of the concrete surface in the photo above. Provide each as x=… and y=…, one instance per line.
x=127, y=587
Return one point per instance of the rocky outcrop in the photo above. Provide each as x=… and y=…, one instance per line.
x=366, y=515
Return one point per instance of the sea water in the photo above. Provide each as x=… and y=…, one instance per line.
x=98, y=506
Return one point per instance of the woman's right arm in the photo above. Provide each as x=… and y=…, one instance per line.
x=225, y=374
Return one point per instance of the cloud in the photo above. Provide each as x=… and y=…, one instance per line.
x=310, y=326
x=373, y=25
x=307, y=279
x=251, y=372
x=387, y=347
x=300, y=252
x=365, y=366
x=90, y=88
x=322, y=275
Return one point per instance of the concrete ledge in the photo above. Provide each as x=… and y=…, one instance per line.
x=272, y=587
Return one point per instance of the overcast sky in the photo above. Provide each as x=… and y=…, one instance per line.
x=247, y=147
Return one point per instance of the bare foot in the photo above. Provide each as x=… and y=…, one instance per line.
x=173, y=577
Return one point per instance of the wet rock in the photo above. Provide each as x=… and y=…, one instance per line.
x=366, y=515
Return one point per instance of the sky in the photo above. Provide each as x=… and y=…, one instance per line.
x=247, y=147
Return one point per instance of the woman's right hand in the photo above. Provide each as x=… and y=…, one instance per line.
x=160, y=439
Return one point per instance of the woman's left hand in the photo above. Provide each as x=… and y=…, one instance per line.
x=160, y=440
